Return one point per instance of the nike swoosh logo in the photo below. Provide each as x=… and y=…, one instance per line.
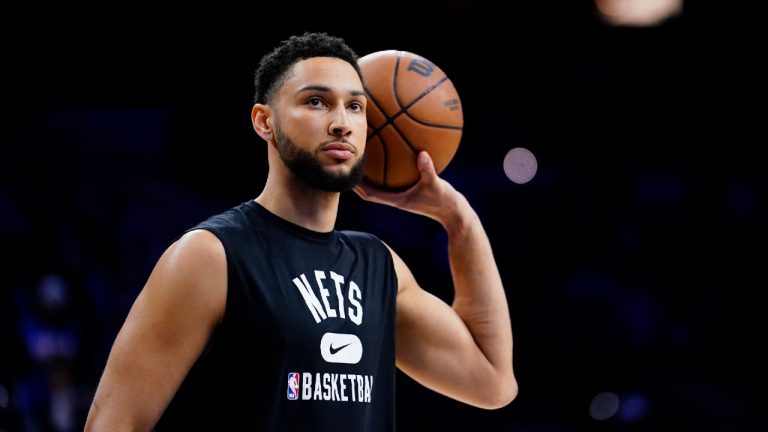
x=341, y=348
x=335, y=350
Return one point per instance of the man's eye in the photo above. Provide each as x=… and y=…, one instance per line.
x=315, y=101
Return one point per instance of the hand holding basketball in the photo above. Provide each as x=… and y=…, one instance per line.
x=432, y=196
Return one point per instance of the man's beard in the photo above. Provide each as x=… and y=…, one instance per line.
x=306, y=167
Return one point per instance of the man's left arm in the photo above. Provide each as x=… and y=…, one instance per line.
x=463, y=351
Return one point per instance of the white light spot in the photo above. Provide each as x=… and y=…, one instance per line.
x=638, y=13
x=520, y=165
x=604, y=406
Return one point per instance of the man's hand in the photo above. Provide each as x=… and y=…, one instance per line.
x=432, y=196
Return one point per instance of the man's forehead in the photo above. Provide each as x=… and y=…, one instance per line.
x=329, y=72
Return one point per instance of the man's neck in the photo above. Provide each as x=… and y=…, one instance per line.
x=294, y=201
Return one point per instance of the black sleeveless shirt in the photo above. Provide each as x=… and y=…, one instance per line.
x=307, y=342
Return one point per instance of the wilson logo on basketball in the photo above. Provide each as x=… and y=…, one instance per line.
x=421, y=67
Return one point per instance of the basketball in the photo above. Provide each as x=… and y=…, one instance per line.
x=412, y=106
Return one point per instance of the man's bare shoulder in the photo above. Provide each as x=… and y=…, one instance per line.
x=194, y=263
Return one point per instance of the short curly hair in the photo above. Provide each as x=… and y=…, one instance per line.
x=273, y=68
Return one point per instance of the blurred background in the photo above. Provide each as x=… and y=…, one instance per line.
x=632, y=259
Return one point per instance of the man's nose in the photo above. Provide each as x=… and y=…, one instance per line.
x=340, y=126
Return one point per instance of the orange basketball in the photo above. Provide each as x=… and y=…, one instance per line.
x=412, y=106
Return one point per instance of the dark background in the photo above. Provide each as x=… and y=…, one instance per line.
x=634, y=261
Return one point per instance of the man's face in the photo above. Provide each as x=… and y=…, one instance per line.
x=320, y=123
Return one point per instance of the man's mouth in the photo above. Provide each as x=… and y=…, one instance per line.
x=339, y=150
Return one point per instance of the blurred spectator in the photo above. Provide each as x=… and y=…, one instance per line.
x=48, y=393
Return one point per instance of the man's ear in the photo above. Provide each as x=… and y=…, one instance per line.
x=261, y=117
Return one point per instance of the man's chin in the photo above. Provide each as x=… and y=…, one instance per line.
x=325, y=176
x=338, y=171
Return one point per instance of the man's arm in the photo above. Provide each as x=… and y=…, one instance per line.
x=167, y=328
x=463, y=351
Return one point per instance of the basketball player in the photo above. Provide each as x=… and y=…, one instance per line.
x=266, y=318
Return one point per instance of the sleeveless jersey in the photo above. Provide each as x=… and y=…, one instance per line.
x=307, y=342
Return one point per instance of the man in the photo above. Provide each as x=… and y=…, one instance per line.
x=266, y=318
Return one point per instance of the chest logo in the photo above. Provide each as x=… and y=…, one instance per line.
x=341, y=348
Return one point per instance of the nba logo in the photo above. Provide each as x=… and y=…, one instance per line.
x=293, y=386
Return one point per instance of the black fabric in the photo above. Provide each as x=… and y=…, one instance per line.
x=271, y=329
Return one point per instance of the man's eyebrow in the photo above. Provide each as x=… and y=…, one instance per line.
x=324, y=89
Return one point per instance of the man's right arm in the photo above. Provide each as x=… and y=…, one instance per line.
x=166, y=330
